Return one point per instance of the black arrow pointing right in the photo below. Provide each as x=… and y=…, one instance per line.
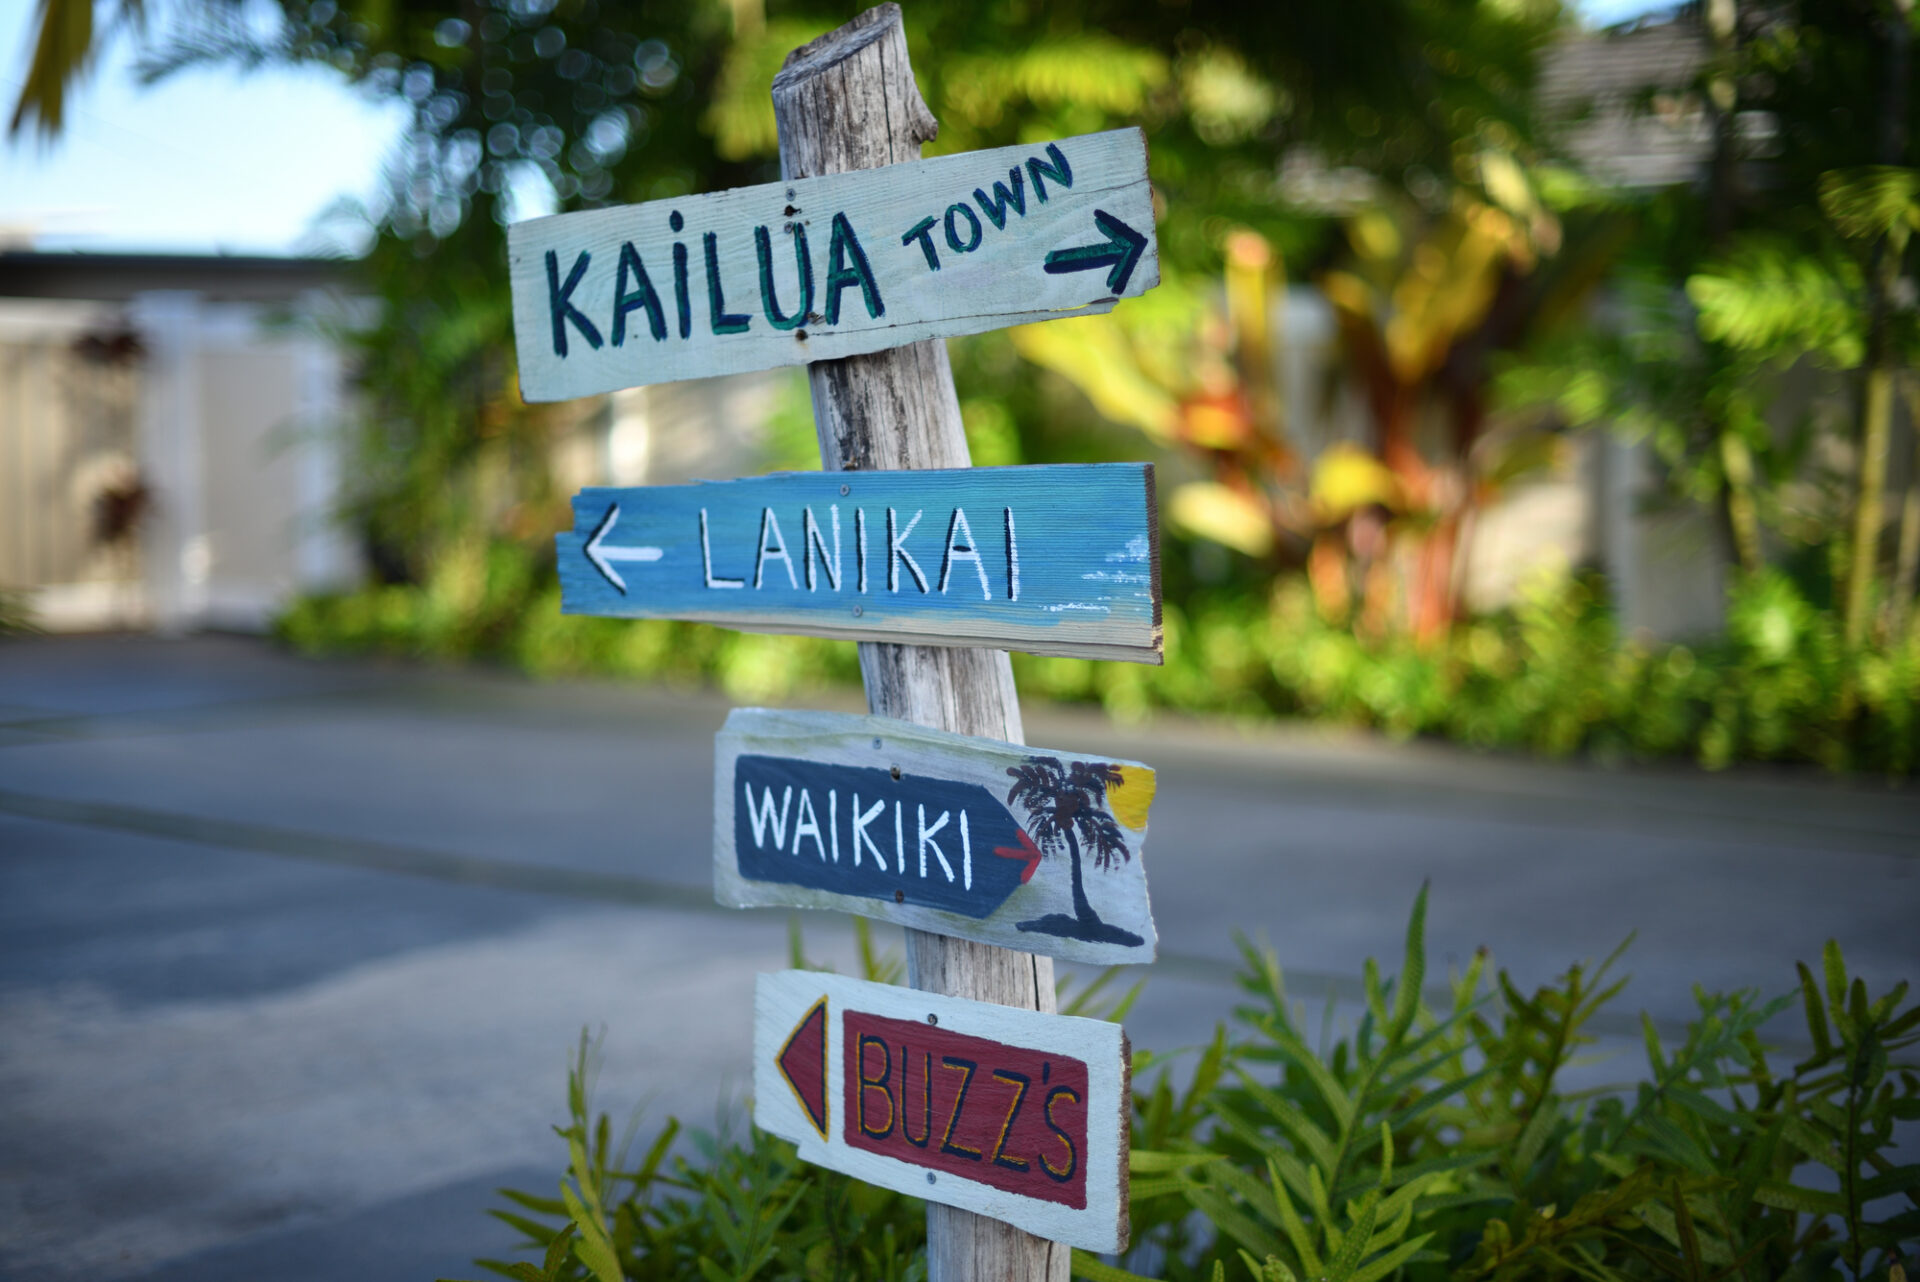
x=1122, y=247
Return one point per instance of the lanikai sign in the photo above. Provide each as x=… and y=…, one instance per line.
x=1053, y=560
x=1003, y=1112
x=786, y=273
x=1022, y=847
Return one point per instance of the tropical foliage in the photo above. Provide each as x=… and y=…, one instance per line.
x=1795, y=260
x=1757, y=329
x=1428, y=1133
x=1552, y=675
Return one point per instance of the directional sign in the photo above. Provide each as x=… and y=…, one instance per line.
x=1026, y=848
x=1002, y=1112
x=1053, y=560
x=786, y=273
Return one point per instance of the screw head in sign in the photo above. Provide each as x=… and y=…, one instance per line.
x=876, y=743
x=933, y=1019
x=930, y=1178
x=846, y=489
x=895, y=772
x=856, y=611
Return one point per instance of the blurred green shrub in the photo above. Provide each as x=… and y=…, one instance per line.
x=510, y=619
x=1419, y=1143
x=16, y=615
x=729, y=1209
x=1552, y=676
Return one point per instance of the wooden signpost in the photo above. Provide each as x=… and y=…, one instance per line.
x=817, y=268
x=1006, y=1113
x=1024, y=848
x=856, y=264
x=1056, y=560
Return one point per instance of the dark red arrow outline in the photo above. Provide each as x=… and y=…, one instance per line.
x=1025, y=850
x=819, y=1010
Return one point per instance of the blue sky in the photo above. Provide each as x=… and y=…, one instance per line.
x=206, y=162
x=214, y=161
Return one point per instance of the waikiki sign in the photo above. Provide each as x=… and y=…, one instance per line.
x=819, y=268
x=1023, y=847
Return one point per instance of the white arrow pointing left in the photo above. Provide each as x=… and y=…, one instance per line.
x=603, y=557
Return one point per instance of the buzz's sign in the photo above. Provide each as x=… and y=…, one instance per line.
x=1022, y=847
x=818, y=268
x=1002, y=1112
x=1053, y=560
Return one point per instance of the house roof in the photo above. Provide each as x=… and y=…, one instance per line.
x=1622, y=101
x=118, y=277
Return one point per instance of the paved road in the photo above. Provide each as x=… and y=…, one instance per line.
x=292, y=953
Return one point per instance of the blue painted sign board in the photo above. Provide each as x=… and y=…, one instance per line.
x=1052, y=560
x=1023, y=847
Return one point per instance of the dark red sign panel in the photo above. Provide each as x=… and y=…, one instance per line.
x=1006, y=1116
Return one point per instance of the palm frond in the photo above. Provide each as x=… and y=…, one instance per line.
x=64, y=46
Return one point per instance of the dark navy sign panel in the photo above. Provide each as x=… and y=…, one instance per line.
x=1027, y=848
x=859, y=831
x=1052, y=560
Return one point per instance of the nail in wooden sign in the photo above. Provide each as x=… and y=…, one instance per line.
x=818, y=268
x=1022, y=847
x=1059, y=559
x=998, y=1111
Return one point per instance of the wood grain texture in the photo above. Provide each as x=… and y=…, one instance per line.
x=848, y=101
x=1088, y=1126
x=618, y=297
x=1055, y=559
x=790, y=788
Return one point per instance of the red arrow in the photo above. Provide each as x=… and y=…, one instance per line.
x=803, y=1062
x=1025, y=850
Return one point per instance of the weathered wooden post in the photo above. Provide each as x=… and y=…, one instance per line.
x=848, y=101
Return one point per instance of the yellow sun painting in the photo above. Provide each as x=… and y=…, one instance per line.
x=1130, y=798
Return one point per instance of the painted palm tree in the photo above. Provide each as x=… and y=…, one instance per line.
x=1067, y=810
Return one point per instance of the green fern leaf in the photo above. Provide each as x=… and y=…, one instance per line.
x=1090, y=1266
x=1413, y=969
x=1392, y=1260
x=1287, y=1116
x=1291, y=1223
x=557, y=1251
x=1230, y=1220
x=1358, y=1242
x=1143, y=1162
x=1791, y=1197
x=1816, y=1015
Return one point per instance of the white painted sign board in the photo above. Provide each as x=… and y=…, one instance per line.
x=1008, y=1113
x=820, y=268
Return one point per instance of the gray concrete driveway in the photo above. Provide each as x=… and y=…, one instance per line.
x=292, y=954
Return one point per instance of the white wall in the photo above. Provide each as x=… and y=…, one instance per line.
x=228, y=420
